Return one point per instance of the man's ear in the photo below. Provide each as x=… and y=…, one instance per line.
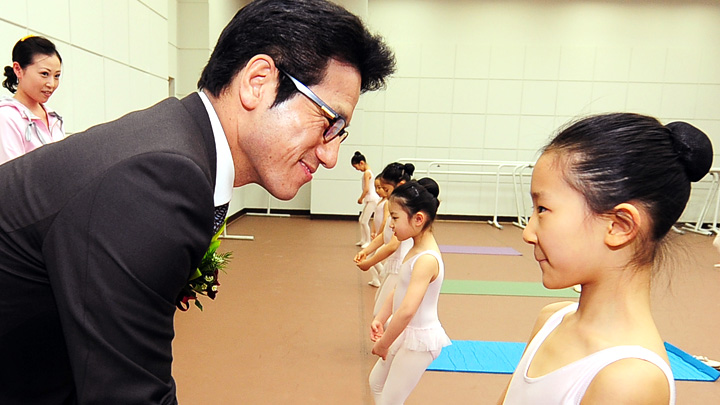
x=623, y=225
x=257, y=82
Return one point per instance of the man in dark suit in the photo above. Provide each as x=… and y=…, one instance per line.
x=100, y=232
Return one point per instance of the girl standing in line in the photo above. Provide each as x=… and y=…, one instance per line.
x=368, y=197
x=379, y=216
x=26, y=123
x=378, y=222
x=386, y=246
x=414, y=337
x=605, y=192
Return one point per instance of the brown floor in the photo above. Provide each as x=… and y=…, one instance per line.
x=290, y=324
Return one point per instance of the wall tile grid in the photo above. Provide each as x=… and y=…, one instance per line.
x=514, y=98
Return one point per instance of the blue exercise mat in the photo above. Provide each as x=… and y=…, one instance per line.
x=473, y=356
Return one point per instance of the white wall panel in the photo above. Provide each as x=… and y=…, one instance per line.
x=501, y=132
x=400, y=129
x=436, y=95
x=158, y=6
x=88, y=91
x=434, y=130
x=51, y=18
x=507, y=62
x=542, y=62
x=682, y=65
x=467, y=131
x=148, y=40
x=118, y=94
x=9, y=35
x=612, y=64
x=402, y=95
x=679, y=100
x=577, y=63
x=538, y=97
x=647, y=64
x=504, y=96
x=574, y=98
x=473, y=61
x=469, y=96
x=644, y=98
x=608, y=97
x=708, y=102
x=116, y=30
x=437, y=60
x=408, y=58
x=86, y=25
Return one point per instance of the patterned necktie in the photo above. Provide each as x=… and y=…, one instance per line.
x=220, y=212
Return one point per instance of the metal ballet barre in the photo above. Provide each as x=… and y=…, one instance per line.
x=697, y=227
x=497, y=168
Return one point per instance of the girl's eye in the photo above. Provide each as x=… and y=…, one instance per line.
x=541, y=209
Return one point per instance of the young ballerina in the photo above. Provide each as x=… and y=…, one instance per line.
x=378, y=222
x=368, y=198
x=380, y=214
x=385, y=247
x=414, y=337
x=605, y=192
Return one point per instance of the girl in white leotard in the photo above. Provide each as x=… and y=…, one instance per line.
x=414, y=336
x=605, y=192
x=385, y=247
x=368, y=198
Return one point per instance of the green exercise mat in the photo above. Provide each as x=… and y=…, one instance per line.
x=511, y=288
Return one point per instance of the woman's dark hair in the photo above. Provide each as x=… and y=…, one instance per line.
x=396, y=172
x=301, y=36
x=24, y=53
x=357, y=158
x=623, y=157
x=415, y=196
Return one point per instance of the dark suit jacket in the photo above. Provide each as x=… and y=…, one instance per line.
x=98, y=234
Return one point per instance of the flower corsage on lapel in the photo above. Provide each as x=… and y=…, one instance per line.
x=204, y=280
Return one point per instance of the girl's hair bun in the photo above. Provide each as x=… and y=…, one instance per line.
x=409, y=169
x=693, y=147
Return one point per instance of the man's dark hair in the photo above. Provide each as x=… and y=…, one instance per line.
x=301, y=36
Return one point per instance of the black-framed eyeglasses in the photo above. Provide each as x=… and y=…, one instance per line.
x=337, y=126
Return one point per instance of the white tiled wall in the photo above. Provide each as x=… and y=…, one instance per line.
x=475, y=79
x=494, y=80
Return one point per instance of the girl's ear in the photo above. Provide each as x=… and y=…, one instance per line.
x=623, y=226
x=419, y=219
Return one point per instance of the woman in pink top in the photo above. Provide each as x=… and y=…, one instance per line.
x=25, y=121
x=605, y=193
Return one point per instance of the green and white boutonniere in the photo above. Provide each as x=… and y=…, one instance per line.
x=204, y=280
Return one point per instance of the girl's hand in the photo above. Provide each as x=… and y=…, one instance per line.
x=376, y=330
x=362, y=255
x=373, y=235
x=360, y=200
x=364, y=266
x=380, y=350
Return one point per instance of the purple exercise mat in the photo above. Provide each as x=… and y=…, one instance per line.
x=479, y=250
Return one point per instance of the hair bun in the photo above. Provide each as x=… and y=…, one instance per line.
x=430, y=185
x=409, y=168
x=693, y=147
